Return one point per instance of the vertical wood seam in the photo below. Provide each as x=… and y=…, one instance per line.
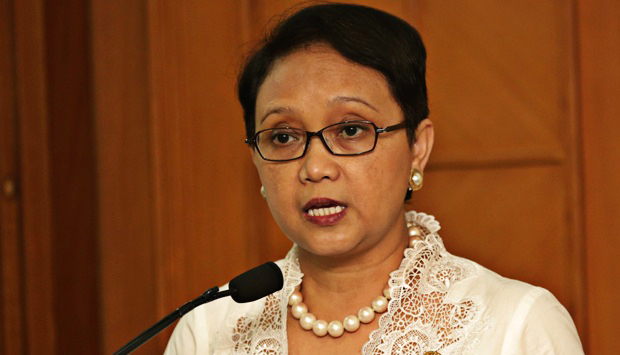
x=17, y=342
x=36, y=222
x=578, y=242
x=152, y=9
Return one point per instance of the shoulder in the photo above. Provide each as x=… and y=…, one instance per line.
x=543, y=325
x=523, y=318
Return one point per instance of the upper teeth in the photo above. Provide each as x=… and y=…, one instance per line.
x=325, y=211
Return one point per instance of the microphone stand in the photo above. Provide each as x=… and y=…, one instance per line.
x=208, y=296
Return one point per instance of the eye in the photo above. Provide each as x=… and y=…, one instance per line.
x=353, y=130
x=284, y=137
x=281, y=138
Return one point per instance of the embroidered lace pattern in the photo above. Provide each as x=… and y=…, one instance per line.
x=419, y=318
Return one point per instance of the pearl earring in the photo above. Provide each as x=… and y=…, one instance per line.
x=262, y=192
x=415, y=180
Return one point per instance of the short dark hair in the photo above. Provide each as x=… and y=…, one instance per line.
x=361, y=34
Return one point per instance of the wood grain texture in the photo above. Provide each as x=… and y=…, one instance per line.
x=599, y=49
x=72, y=176
x=36, y=217
x=11, y=277
x=200, y=161
x=125, y=204
x=498, y=83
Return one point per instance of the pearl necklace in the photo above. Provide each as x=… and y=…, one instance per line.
x=335, y=328
x=351, y=323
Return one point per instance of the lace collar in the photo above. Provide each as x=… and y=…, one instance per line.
x=419, y=318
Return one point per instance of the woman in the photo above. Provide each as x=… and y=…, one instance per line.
x=335, y=108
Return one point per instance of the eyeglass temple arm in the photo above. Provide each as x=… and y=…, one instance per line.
x=392, y=128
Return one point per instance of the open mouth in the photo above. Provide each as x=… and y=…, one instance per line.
x=324, y=211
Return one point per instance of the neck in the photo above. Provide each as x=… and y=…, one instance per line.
x=333, y=286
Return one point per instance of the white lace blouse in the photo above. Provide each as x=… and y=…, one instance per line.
x=439, y=302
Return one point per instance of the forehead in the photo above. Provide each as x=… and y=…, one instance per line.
x=315, y=76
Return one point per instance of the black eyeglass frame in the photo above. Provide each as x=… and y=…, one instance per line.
x=253, y=142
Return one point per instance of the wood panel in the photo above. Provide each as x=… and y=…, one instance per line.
x=125, y=204
x=201, y=166
x=498, y=74
x=599, y=49
x=11, y=278
x=36, y=219
x=72, y=176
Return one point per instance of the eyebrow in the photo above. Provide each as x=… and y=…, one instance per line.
x=335, y=100
x=277, y=109
x=344, y=99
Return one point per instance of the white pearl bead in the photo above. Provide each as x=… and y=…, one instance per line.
x=298, y=310
x=351, y=323
x=366, y=315
x=386, y=293
x=335, y=328
x=414, y=231
x=380, y=304
x=307, y=320
x=417, y=179
x=319, y=328
x=295, y=298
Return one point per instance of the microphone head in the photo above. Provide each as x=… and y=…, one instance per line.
x=257, y=283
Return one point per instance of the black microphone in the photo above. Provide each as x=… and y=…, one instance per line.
x=256, y=283
x=250, y=286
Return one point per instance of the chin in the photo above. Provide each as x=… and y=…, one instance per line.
x=329, y=246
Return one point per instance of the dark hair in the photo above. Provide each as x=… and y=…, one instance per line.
x=364, y=35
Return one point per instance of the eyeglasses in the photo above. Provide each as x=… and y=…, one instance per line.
x=342, y=139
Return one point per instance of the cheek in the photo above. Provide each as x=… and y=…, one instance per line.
x=279, y=182
x=382, y=180
x=269, y=177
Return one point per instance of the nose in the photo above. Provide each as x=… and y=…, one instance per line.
x=318, y=163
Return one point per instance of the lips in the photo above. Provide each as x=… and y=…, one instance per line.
x=324, y=211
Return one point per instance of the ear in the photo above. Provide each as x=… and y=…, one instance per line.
x=421, y=149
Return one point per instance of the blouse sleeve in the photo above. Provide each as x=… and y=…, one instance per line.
x=198, y=331
x=541, y=325
x=183, y=340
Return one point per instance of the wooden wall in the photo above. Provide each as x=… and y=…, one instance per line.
x=127, y=188
x=599, y=93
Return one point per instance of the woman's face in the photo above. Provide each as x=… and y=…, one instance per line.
x=310, y=89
